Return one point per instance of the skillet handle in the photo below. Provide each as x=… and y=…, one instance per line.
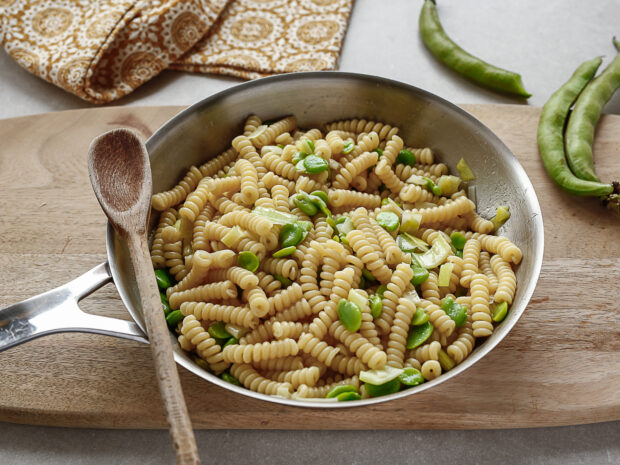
x=57, y=311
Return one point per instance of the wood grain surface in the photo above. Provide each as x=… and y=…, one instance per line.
x=560, y=364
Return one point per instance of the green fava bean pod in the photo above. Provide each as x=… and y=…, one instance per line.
x=462, y=62
x=551, y=140
x=586, y=113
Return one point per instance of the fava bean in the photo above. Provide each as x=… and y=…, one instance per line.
x=286, y=282
x=322, y=195
x=419, y=275
x=419, y=334
x=302, y=202
x=336, y=391
x=550, y=134
x=218, y=331
x=174, y=318
x=456, y=311
x=230, y=379
x=390, y=387
x=285, y=252
x=350, y=315
x=164, y=281
x=315, y=164
x=381, y=289
x=376, y=305
x=462, y=62
x=248, y=260
x=291, y=234
x=411, y=377
x=420, y=317
x=500, y=310
x=231, y=341
x=458, y=240
x=406, y=157
x=346, y=396
x=388, y=220
x=579, y=134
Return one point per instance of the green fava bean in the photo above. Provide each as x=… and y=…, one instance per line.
x=420, y=317
x=298, y=156
x=455, y=311
x=419, y=334
x=322, y=195
x=388, y=220
x=406, y=157
x=348, y=147
x=411, y=377
x=458, y=240
x=164, y=281
x=419, y=275
x=336, y=391
x=291, y=234
x=346, y=396
x=230, y=379
x=231, y=341
x=164, y=303
x=315, y=164
x=318, y=201
x=499, y=311
x=302, y=202
x=381, y=289
x=174, y=318
x=285, y=252
x=286, y=282
x=218, y=331
x=248, y=260
x=376, y=306
x=390, y=387
x=368, y=275
x=350, y=315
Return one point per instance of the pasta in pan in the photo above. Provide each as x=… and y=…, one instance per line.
x=322, y=262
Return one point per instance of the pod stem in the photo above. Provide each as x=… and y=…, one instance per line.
x=612, y=201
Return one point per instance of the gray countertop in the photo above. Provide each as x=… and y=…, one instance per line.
x=545, y=42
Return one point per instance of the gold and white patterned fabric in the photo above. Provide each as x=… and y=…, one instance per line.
x=101, y=50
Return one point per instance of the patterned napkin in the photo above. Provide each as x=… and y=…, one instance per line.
x=101, y=50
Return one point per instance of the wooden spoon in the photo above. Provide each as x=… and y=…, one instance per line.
x=119, y=170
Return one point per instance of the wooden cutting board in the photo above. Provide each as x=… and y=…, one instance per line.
x=560, y=365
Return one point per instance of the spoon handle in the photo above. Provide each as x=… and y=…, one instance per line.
x=165, y=367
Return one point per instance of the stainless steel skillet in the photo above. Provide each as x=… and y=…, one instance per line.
x=206, y=129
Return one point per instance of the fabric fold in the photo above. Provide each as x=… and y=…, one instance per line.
x=102, y=50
